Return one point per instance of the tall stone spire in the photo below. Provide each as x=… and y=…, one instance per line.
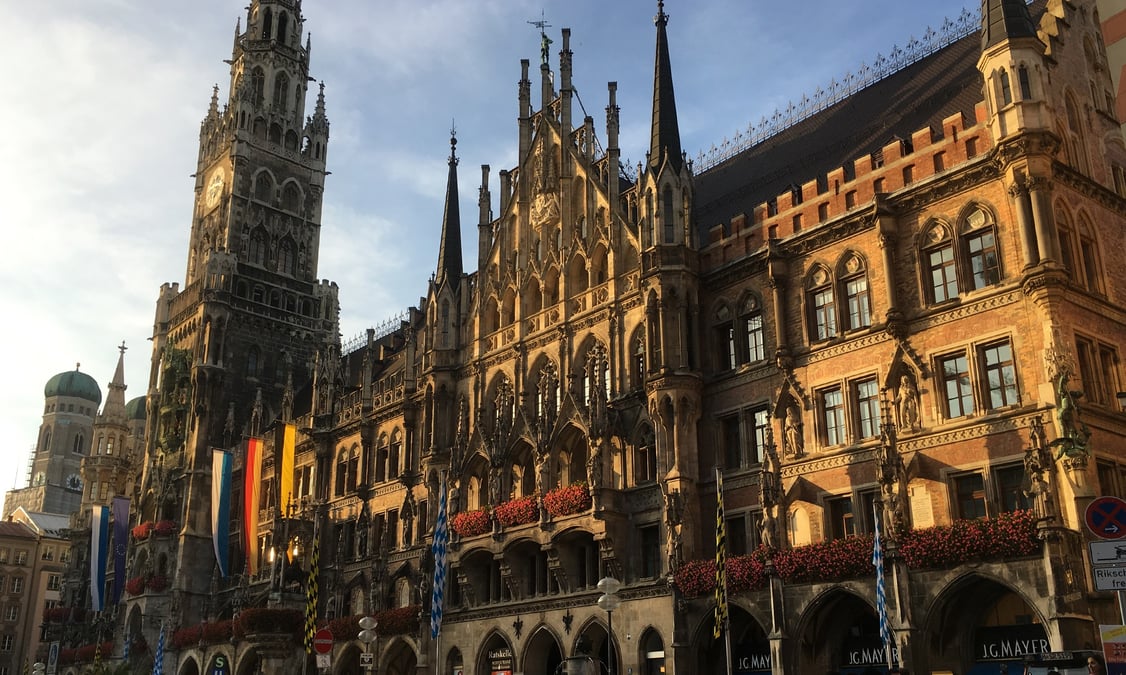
x=449, y=251
x=1004, y=19
x=666, y=131
x=115, y=399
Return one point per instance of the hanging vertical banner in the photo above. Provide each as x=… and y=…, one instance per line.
x=285, y=444
x=439, y=548
x=99, y=541
x=252, y=474
x=220, y=506
x=120, y=544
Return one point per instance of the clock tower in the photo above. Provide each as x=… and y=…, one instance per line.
x=233, y=346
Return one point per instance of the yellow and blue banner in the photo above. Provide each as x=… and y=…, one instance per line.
x=221, y=507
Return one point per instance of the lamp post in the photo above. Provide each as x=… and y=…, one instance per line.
x=367, y=636
x=609, y=601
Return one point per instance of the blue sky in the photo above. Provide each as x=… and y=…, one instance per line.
x=105, y=98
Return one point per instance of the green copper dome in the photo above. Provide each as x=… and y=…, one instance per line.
x=135, y=408
x=73, y=383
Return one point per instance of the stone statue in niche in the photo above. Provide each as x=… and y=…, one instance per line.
x=907, y=404
x=791, y=432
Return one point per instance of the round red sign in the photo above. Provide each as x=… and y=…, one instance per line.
x=322, y=641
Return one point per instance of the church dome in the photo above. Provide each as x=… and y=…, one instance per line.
x=135, y=408
x=73, y=383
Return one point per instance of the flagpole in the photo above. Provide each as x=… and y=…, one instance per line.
x=881, y=603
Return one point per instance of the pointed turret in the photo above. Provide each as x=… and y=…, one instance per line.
x=666, y=131
x=1003, y=20
x=449, y=251
x=115, y=399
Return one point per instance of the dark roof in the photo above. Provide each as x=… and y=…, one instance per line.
x=665, y=132
x=135, y=408
x=1004, y=19
x=449, y=250
x=919, y=96
x=9, y=528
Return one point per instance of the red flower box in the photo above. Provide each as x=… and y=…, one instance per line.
x=142, y=531
x=398, y=621
x=164, y=528
x=1009, y=535
x=157, y=583
x=135, y=586
x=472, y=523
x=566, y=501
x=519, y=511
x=345, y=628
x=269, y=620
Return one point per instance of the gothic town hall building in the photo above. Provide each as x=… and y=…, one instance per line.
x=903, y=307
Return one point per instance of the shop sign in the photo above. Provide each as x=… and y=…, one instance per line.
x=751, y=659
x=1009, y=643
x=500, y=661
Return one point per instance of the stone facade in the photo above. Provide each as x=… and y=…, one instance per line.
x=885, y=314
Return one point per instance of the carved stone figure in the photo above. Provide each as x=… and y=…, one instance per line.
x=792, y=437
x=907, y=404
x=406, y=515
x=594, y=465
x=769, y=529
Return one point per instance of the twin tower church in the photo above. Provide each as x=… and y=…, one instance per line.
x=901, y=306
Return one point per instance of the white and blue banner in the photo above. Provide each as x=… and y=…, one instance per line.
x=99, y=547
x=221, y=506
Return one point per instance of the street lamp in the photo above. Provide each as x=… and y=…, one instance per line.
x=609, y=601
x=367, y=636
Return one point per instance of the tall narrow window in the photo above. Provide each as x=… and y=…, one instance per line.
x=940, y=265
x=668, y=220
x=281, y=91
x=841, y=523
x=732, y=442
x=984, y=265
x=955, y=375
x=868, y=408
x=969, y=491
x=859, y=302
x=1025, y=83
x=257, y=86
x=1010, y=488
x=760, y=420
x=832, y=409
x=1006, y=88
x=822, y=306
x=1000, y=374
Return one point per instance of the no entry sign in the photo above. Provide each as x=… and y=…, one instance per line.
x=322, y=641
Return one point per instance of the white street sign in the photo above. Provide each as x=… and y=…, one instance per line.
x=1108, y=553
x=324, y=660
x=1110, y=578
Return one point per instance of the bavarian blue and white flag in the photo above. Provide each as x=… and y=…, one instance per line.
x=120, y=508
x=221, y=506
x=99, y=547
x=881, y=591
x=441, y=543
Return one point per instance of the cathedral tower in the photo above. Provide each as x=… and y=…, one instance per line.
x=232, y=347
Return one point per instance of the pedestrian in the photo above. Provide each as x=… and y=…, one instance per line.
x=1095, y=665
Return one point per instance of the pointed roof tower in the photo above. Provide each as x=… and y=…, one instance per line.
x=666, y=132
x=1003, y=20
x=449, y=251
x=115, y=399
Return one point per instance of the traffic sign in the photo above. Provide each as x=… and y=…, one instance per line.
x=1106, y=517
x=1108, y=553
x=322, y=641
x=367, y=660
x=1109, y=578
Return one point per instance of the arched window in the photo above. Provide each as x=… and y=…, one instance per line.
x=281, y=90
x=938, y=257
x=264, y=187
x=1006, y=87
x=979, y=238
x=668, y=215
x=46, y=444
x=645, y=457
x=268, y=24
x=724, y=331
x=1025, y=83
x=286, y=257
x=1091, y=276
x=283, y=27
x=79, y=444
x=341, y=482
x=252, y=362
x=291, y=197
x=1076, y=141
x=275, y=133
x=258, y=245
x=257, y=86
x=750, y=318
x=822, y=305
x=854, y=286
x=393, y=468
x=637, y=374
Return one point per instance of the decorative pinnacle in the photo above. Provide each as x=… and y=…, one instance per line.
x=661, y=19
x=453, y=143
x=545, y=41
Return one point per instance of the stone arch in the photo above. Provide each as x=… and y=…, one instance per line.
x=550, y=286
x=956, y=613
x=495, y=648
x=651, y=652
x=592, y=639
x=347, y=662
x=837, y=629
x=578, y=280
x=543, y=651
x=399, y=658
x=599, y=265
x=264, y=185
x=189, y=665
x=748, y=632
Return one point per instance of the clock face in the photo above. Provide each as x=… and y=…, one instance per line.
x=74, y=481
x=214, y=190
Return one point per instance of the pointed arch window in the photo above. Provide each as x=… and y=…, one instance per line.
x=283, y=27
x=79, y=444
x=668, y=216
x=257, y=86
x=1025, y=83
x=645, y=457
x=252, y=362
x=286, y=257
x=393, y=467
x=858, y=300
x=291, y=197
x=268, y=24
x=281, y=91
x=1006, y=87
x=724, y=331
x=980, y=239
x=754, y=342
x=46, y=441
x=258, y=245
x=637, y=376
x=940, y=268
x=1076, y=142
x=822, y=305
